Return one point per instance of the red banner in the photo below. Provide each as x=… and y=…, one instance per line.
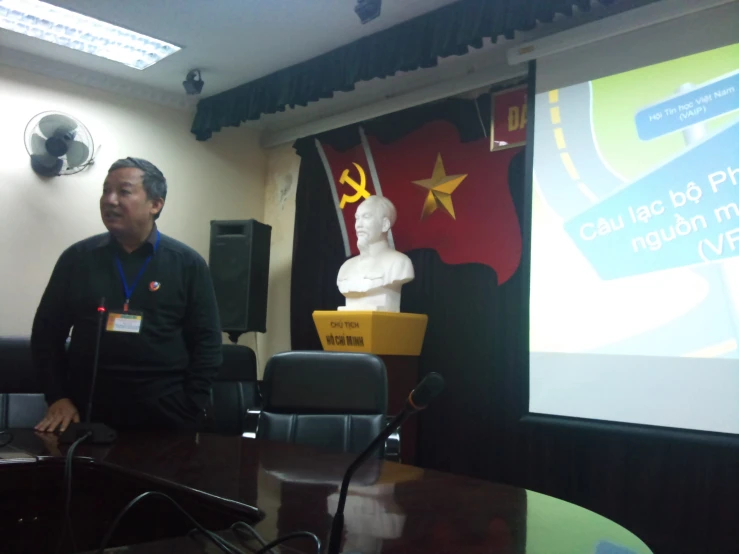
x=451, y=196
x=508, y=128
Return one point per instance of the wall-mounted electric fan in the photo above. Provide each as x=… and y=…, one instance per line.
x=58, y=144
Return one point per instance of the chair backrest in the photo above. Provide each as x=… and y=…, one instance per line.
x=332, y=400
x=234, y=391
x=24, y=411
x=16, y=366
x=22, y=404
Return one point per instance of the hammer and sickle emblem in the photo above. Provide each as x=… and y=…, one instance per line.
x=359, y=188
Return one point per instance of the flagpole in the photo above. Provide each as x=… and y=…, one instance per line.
x=335, y=195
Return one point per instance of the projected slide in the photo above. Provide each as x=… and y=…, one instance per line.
x=635, y=246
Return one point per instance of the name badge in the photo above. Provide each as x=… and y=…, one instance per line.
x=124, y=322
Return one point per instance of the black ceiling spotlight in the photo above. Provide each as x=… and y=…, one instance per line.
x=367, y=10
x=193, y=83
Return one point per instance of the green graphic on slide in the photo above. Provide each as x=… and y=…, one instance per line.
x=616, y=100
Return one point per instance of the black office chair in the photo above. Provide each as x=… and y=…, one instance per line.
x=22, y=405
x=24, y=411
x=234, y=392
x=331, y=400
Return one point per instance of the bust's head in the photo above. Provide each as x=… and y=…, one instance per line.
x=374, y=218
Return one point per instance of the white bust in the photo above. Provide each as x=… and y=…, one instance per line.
x=372, y=280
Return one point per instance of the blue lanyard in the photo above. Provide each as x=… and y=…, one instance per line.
x=128, y=290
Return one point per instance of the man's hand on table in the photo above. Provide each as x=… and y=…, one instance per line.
x=58, y=416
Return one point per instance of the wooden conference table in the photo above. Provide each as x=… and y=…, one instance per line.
x=392, y=508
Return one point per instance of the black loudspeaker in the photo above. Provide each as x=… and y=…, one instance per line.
x=239, y=265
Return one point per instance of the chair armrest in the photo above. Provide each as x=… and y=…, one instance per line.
x=251, y=423
x=392, y=446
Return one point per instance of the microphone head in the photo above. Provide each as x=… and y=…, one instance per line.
x=428, y=389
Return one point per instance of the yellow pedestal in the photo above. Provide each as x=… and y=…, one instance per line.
x=382, y=333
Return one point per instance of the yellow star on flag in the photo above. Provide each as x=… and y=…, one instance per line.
x=440, y=187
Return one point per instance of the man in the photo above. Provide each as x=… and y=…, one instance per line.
x=372, y=280
x=161, y=344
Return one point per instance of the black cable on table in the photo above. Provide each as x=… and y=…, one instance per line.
x=194, y=532
x=221, y=543
x=67, y=519
x=240, y=527
x=290, y=536
x=237, y=527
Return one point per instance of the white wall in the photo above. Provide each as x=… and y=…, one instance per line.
x=283, y=165
x=219, y=179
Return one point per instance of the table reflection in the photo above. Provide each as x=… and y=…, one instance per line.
x=391, y=508
x=371, y=516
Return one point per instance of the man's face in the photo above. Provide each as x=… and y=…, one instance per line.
x=369, y=224
x=124, y=206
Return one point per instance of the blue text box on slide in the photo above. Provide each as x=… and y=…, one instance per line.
x=696, y=106
x=620, y=243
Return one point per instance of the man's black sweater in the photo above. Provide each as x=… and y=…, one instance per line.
x=159, y=377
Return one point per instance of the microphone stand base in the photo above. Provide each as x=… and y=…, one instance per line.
x=101, y=433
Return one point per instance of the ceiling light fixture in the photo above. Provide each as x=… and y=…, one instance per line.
x=80, y=32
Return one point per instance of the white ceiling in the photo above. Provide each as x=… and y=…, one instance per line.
x=231, y=41
x=241, y=40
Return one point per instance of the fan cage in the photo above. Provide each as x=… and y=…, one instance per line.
x=82, y=134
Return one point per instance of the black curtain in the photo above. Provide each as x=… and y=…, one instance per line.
x=414, y=44
x=678, y=496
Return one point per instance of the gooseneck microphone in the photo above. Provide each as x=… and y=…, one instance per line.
x=428, y=389
x=98, y=337
x=100, y=433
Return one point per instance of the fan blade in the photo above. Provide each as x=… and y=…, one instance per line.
x=45, y=159
x=77, y=153
x=56, y=123
x=41, y=166
x=38, y=145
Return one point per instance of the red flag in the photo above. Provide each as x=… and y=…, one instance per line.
x=451, y=196
x=350, y=174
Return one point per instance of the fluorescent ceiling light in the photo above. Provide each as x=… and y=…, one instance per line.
x=83, y=33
